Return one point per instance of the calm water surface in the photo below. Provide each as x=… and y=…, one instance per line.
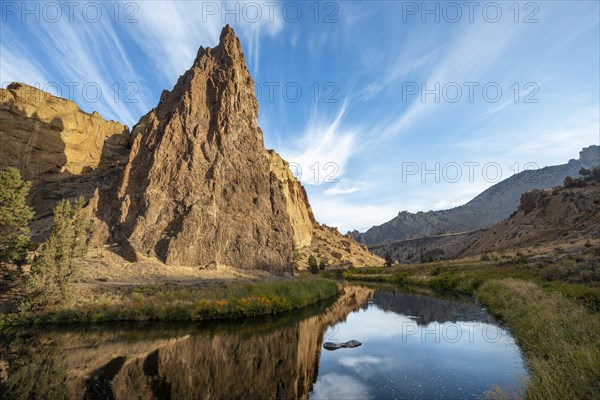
x=414, y=346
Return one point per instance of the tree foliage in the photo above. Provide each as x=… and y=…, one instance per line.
x=322, y=264
x=58, y=263
x=15, y=215
x=313, y=265
x=388, y=258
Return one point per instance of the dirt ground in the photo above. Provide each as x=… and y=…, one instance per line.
x=105, y=268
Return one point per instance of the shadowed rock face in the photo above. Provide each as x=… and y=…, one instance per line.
x=269, y=360
x=198, y=187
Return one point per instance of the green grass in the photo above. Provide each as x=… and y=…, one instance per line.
x=184, y=303
x=559, y=338
x=556, y=322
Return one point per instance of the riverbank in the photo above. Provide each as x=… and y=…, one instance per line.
x=556, y=324
x=176, y=302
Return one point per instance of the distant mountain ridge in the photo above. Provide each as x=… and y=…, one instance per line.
x=491, y=206
x=546, y=217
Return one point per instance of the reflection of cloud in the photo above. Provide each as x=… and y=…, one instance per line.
x=374, y=324
x=366, y=365
x=354, y=362
x=336, y=386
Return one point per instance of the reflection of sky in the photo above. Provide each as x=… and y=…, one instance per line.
x=400, y=359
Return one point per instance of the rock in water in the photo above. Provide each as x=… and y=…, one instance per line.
x=198, y=187
x=352, y=343
x=334, y=346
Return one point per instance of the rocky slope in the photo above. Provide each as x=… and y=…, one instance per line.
x=429, y=248
x=191, y=186
x=310, y=237
x=545, y=217
x=491, y=206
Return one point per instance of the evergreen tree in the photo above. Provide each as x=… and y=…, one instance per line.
x=388, y=259
x=313, y=266
x=322, y=264
x=15, y=215
x=58, y=263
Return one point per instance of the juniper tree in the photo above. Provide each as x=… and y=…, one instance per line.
x=15, y=215
x=58, y=263
x=313, y=266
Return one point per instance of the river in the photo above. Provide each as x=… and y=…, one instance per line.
x=414, y=346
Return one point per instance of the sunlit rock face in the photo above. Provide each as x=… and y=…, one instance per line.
x=49, y=138
x=64, y=151
x=198, y=187
x=274, y=360
x=193, y=183
x=547, y=217
x=310, y=237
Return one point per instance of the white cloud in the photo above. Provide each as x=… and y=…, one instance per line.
x=341, y=190
x=14, y=67
x=464, y=61
x=172, y=31
x=347, y=215
x=84, y=55
x=326, y=142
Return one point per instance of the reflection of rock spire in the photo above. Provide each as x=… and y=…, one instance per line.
x=241, y=360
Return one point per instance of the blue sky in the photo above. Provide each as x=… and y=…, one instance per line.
x=382, y=106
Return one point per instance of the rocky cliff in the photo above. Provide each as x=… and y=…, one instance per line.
x=546, y=217
x=63, y=150
x=491, y=206
x=297, y=206
x=198, y=186
x=49, y=138
x=192, y=185
x=310, y=237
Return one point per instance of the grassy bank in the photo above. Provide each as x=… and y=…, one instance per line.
x=556, y=324
x=167, y=302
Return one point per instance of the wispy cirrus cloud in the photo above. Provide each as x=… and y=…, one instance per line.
x=75, y=65
x=323, y=149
